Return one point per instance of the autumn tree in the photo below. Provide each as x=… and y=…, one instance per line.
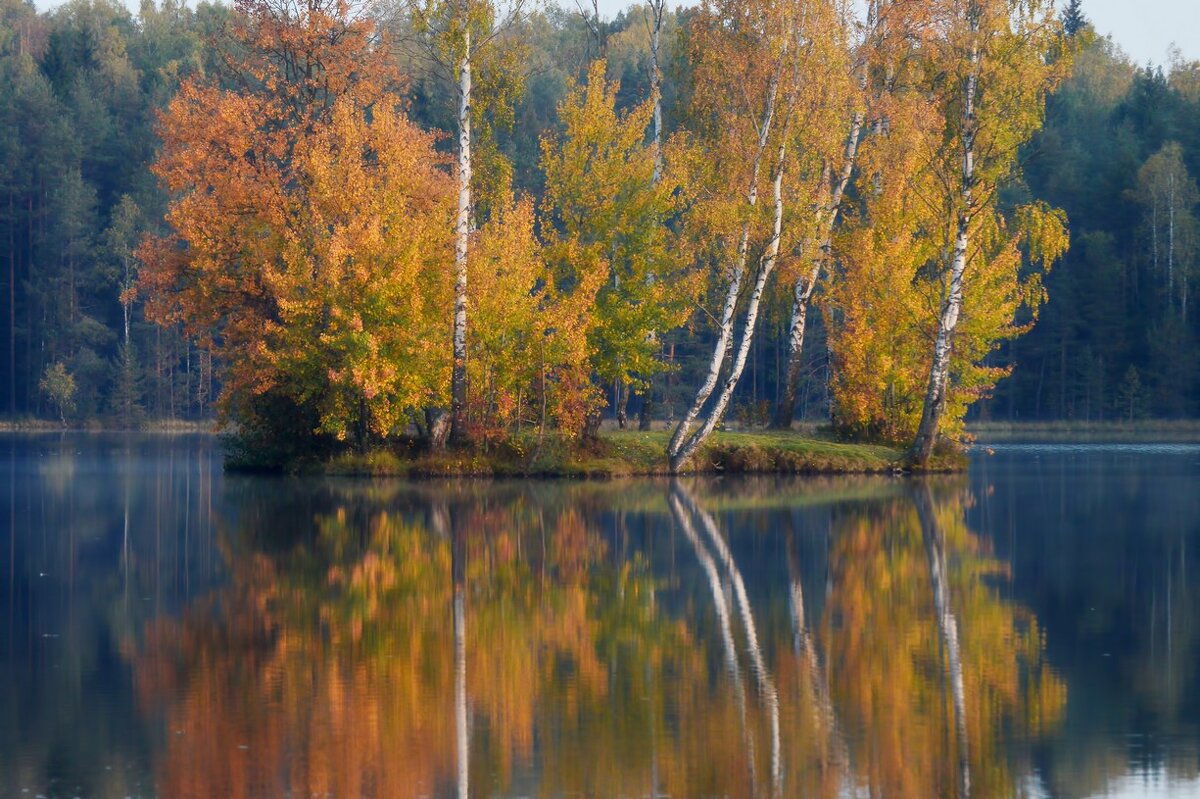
x=991, y=67
x=766, y=105
x=309, y=219
x=462, y=39
x=606, y=212
x=58, y=385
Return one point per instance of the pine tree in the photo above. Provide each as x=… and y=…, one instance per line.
x=1073, y=20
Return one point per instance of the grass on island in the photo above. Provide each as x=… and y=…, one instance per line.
x=622, y=453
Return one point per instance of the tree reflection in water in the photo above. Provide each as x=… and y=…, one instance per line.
x=562, y=639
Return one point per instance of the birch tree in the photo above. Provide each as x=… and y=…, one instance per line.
x=658, y=11
x=762, y=95
x=991, y=71
x=456, y=35
x=1169, y=195
x=835, y=181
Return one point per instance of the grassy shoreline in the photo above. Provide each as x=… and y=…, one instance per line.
x=630, y=453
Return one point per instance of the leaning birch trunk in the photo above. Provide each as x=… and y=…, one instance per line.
x=939, y=372
x=807, y=283
x=683, y=518
x=947, y=626
x=766, y=686
x=683, y=446
x=462, y=234
x=735, y=282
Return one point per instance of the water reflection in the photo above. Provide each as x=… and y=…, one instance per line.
x=445, y=640
x=176, y=632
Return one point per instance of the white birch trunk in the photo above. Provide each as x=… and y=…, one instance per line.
x=683, y=446
x=735, y=282
x=948, y=628
x=462, y=234
x=939, y=372
x=1170, y=239
x=806, y=284
x=657, y=9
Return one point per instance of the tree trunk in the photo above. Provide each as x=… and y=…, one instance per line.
x=462, y=233
x=437, y=425
x=785, y=411
x=674, y=449
x=12, y=307
x=657, y=9
x=622, y=404
x=939, y=372
x=684, y=446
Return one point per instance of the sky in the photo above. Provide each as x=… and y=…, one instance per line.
x=1144, y=29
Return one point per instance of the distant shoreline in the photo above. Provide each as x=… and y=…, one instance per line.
x=805, y=450
x=1073, y=431
x=166, y=426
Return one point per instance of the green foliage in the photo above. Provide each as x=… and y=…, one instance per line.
x=603, y=213
x=59, y=387
x=1119, y=152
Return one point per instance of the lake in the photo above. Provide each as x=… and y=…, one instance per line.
x=1029, y=629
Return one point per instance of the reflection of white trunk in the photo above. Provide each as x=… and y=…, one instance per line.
x=684, y=520
x=948, y=627
x=461, y=730
x=766, y=685
x=825, y=717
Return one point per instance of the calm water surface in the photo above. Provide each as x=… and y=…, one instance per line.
x=1032, y=629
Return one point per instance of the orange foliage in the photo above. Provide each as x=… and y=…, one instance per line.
x=310, y=223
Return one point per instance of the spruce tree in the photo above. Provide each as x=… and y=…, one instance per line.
x=1073, y=19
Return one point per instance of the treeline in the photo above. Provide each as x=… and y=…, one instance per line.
x=1118, y=339
x=79, y=88
x=480, y=219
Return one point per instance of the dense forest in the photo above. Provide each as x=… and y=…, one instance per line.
x=84, y=86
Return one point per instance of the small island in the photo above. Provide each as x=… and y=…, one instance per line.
x=628, y=453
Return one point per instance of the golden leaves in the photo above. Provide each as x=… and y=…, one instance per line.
x=310, y=225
